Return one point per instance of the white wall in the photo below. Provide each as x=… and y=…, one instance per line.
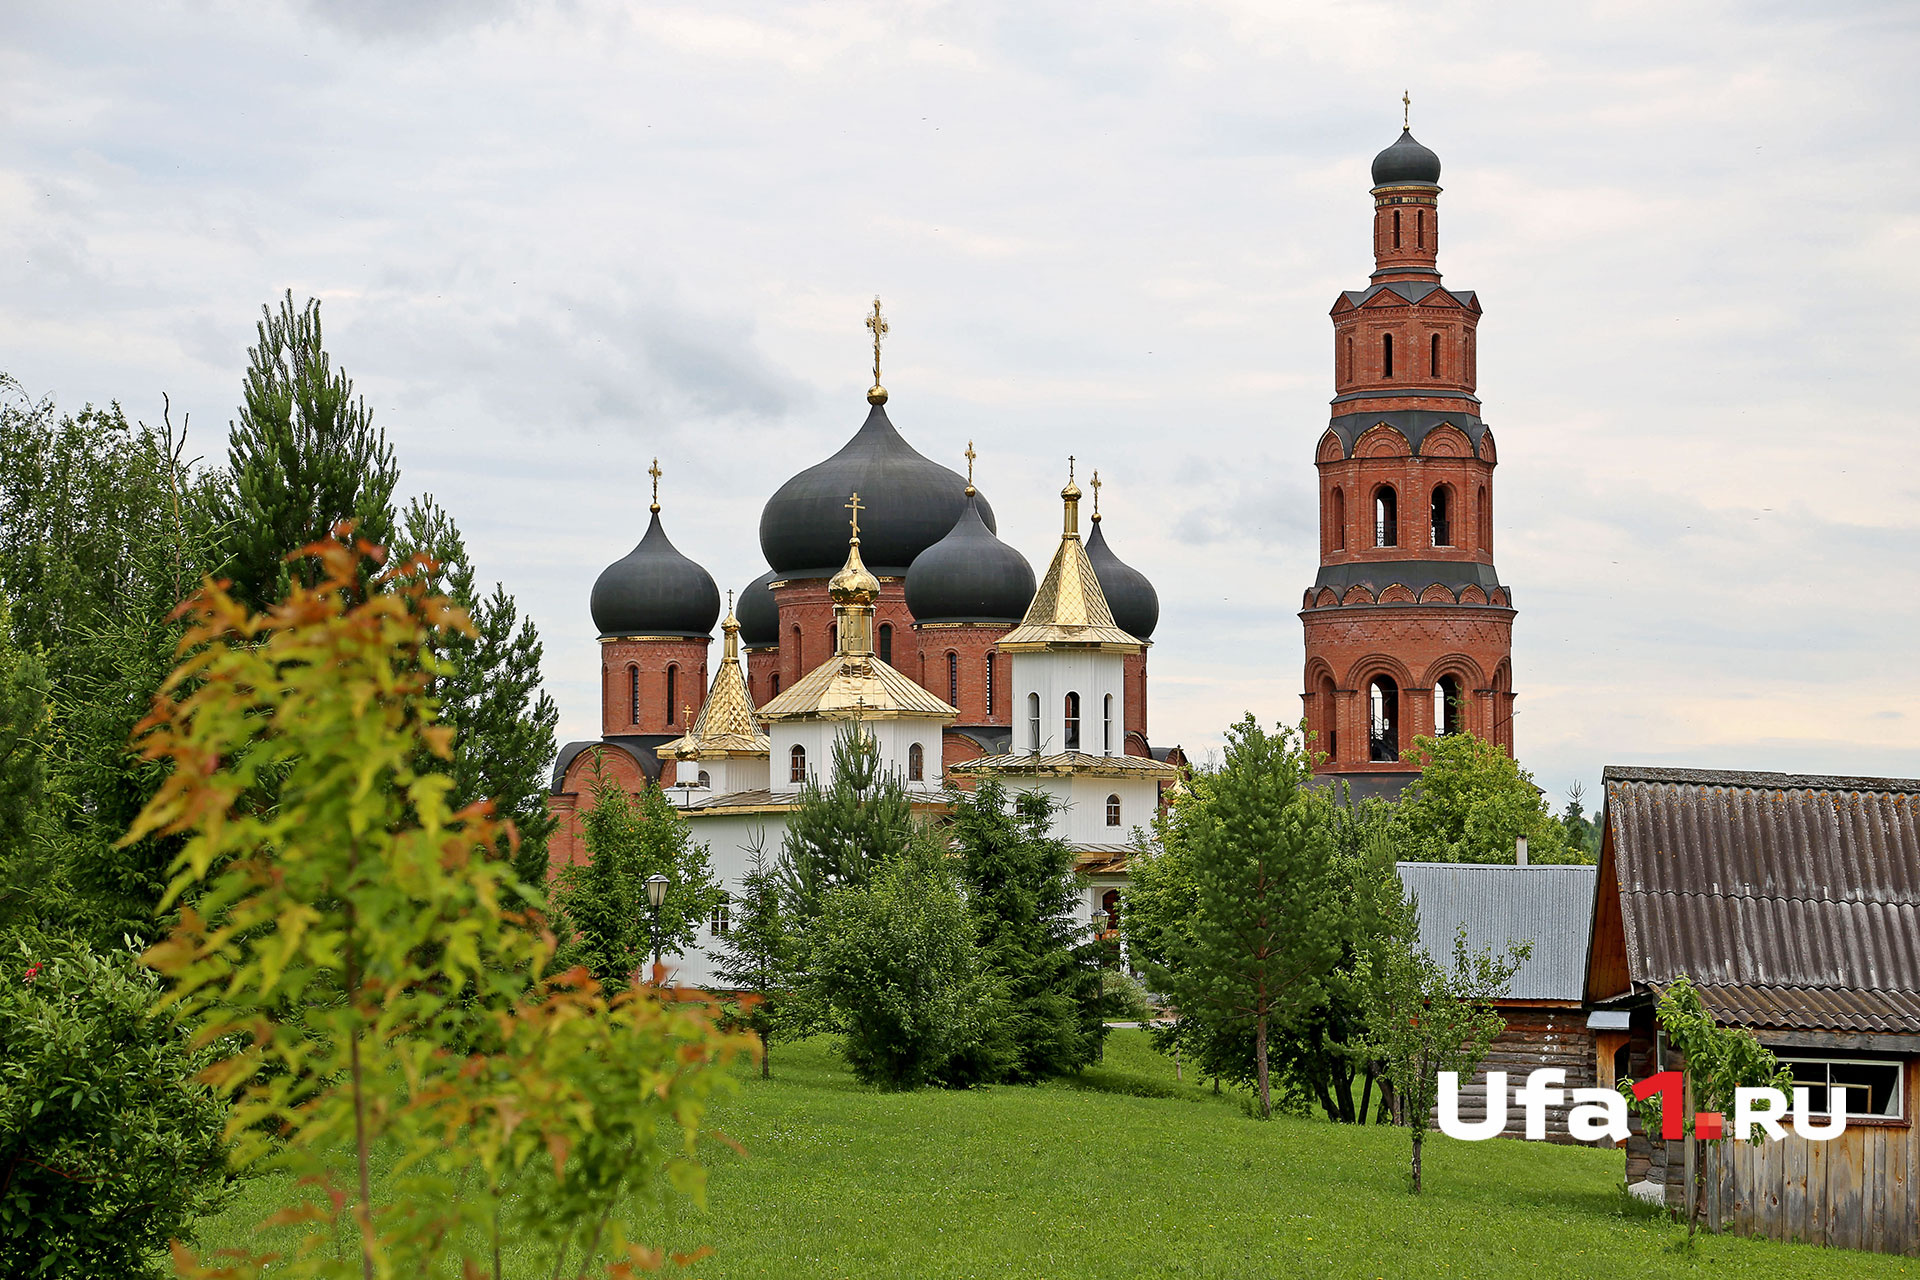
x=729, y=839
x=725, y=776
x=895, y=737
x=1052, y=675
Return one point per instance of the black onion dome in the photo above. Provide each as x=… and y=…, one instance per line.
x=969, y=575
x=907, y=503
x=1135, y=604
x=1406, y=161
x=653, y=590
x=757, y=613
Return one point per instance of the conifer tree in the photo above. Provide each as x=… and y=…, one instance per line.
x=1265, y=930
x=1021, y=884
x=303, y=456
x=755, y=957
x=502, y=719
x=845, y=828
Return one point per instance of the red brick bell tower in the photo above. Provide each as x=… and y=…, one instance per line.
x=1408, y=627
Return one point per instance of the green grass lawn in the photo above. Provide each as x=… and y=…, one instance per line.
x=1123, y=1172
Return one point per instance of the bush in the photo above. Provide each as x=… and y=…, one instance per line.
x=109, y=1148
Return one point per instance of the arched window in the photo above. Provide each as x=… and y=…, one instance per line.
x=797, y=764
x=1447, y=706
x=1383, y=728
x=799, y=658
x=1472, y=362
x=633, y=694
x=916, y=764
x=1033, y=722
x=1072, y=727
x=1442, y=522
x=1386, y=355
x=1485, y=526
x=776, y=684
x=1106, y=724
x=1113, y=811
x=1420, y=228
x=886, y=643
x=706, y=780
x=1329, y=719
x=1349, y=376
x=673, y=674
x=833, y=637
x=1434, y=358
x=1396, y=228
x=1339, y=511
x=989, y=683
x=953, y=678
x=1386, y=517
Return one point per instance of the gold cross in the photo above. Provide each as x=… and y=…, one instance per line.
x=970, y=456
x=729, y=599
x=1096, y=493
x=654, y=471
x=878, y=324
x=1406, y=110
x=854, y=507
x=1069, y=468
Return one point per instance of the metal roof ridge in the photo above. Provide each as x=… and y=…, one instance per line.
x=1756, y=780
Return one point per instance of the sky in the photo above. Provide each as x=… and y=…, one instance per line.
x=553, y=241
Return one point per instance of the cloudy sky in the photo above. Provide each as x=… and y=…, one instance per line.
x=555, y=240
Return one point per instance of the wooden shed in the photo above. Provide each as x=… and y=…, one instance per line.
x=1497, y=905
x=1793, y=903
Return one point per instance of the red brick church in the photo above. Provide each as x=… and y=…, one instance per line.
x=1409, y=629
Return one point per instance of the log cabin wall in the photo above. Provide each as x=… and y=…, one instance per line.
x=1537, y=1035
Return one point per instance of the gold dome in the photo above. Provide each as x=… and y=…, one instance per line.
x=853, y=584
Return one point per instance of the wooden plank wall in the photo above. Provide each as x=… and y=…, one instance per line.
x=1859, y=1191
x=1536, y=1036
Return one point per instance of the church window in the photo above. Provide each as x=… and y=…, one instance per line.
x=797, y=764
x=1339, y=529
x=706, y=780
x=776, y=684
x=1472, y=364
x=722, y=916
x=1420, y=228
x=1072, y=734
x=799, y=660
x=1106, y=724
x=1442, y=516
x=886, y=643
x=833, y=637
x=1383, y=729
x=916, y=764
x=953, y=678
x=1485, y=529
x=1329, y=719
x=1113, y=811
x=989, y=684
x=1433, y=357
x=1396, y=228
x=1386, y=517
x=1349, y=377
x=1386, y=355
x=633, y=694
x=1447, y=706
x=1033, y=722
x=673, y=674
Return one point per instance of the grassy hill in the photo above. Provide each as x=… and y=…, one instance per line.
x=1126, y=1173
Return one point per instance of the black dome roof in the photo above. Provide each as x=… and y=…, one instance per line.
x=1135, y=604
x=907, y=503
x=653, y=590
x=969, y=575
x=758, y=615
x=1405, y=161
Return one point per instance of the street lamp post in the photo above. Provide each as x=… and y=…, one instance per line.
x=656, y=895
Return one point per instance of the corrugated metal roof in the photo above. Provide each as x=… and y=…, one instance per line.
x=1549, y=906
x=1794, y=898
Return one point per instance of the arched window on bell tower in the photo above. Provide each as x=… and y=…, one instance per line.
x=673, y=684
x=1383, y=720
x=1349, y=375
x=1386, y=517
x=1419, y=228
x=1442, y=522
x=1448, y=709
x=1484, y=528
x=633, y=695
x=1396, y=228
x=1338, y=510
x=1433, y=370
x=1072, y=734
x=886, y=643
x=1386, y=351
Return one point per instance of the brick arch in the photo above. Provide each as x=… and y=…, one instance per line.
x=1381, y=441
x=1437, y=594
x=1397, y=593
x=1486, y=447
x=1500, y=597
x=1446, y=441
x=1318, y=669
x=1378, y=664
x=1472, y=594
x=1357, y=594
x=1330, y=449
x=1326, y=599
x=1456, y=664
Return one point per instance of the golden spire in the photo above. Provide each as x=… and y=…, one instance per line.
x=730, y=628
x=971, y=455
x=853, y=586
x=1071, y=494
x=654, y=471
x=1096, y=495
x=1406, y=120
x=877, y=395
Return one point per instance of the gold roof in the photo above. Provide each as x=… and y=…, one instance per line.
x=728, y=724
x=1069, y=608
x=855, y=687
x=1062, y=763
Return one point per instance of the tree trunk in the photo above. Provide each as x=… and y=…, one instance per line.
x=1326, y=1101
x=1260, y=1066
x=1418, y=1134
x=1366, y=1096
x=1343, y=1093
x=766, y=1072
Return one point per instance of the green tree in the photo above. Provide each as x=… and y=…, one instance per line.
x=755, y=957
x=303, y=456
x=490, y=693
x=1583, y=833
x=365, y=963
x=608, y=924
x=1423, y=1018
x=1264, y=930
x=1022, y=889
x=895, y=961
x=846, y=827
x=109, y=1147
x=25, y=867
x=1469, y=804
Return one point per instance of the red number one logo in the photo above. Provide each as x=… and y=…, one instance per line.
x=1671, y=1088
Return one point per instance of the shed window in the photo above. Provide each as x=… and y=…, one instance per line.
x=797, y=764
x=673, y=677
x=886, y=643
x=916, y=764
x=1386, y=355
x=1072, y=734
x=1033, y=722
x=1383, y=729
x=1113, y=811
x=1872, y=1088
x=1386, y=517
